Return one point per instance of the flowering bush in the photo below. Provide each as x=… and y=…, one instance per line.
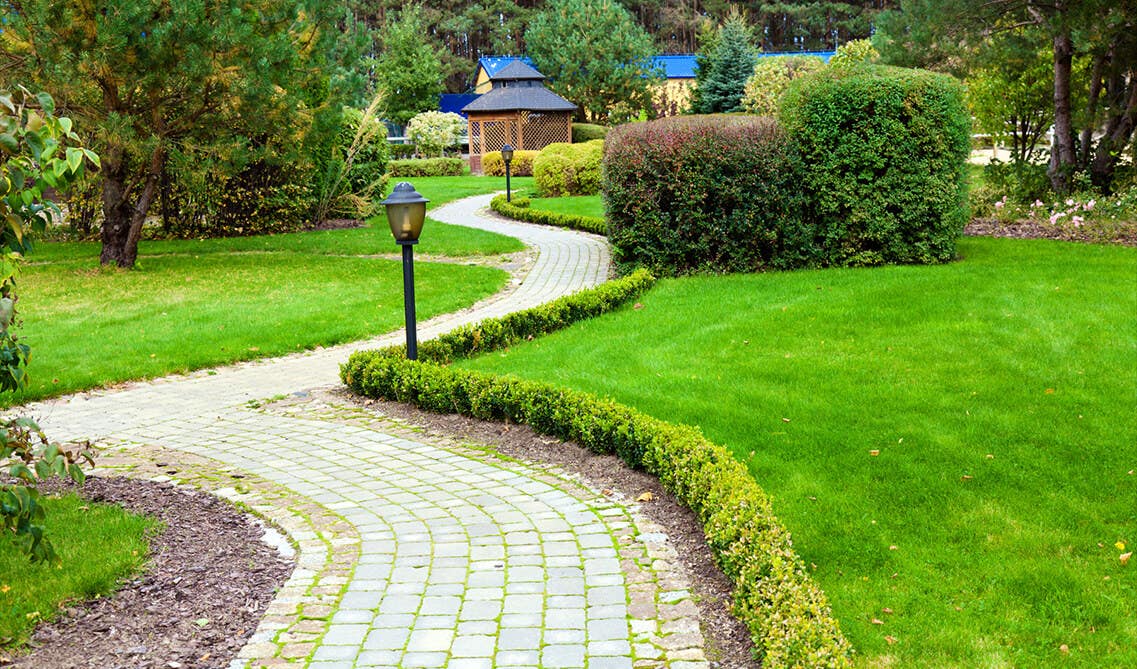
x=433, y=132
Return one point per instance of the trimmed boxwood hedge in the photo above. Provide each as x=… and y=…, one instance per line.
x=788, y=615
x=881, y=153
x=426, y=167
x=520, y=209
x=704, y=194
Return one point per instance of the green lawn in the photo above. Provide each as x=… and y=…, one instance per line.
x=952, y=446
x=580, y=205
x=98, y=544
x=194, y=304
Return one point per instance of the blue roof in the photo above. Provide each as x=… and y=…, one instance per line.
x=493, y=64
x=453, y=102
x=685, y=65
x=677, y=66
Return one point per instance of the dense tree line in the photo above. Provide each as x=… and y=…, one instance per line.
x=465, y=31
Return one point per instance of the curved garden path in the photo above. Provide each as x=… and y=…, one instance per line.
x=411, y=554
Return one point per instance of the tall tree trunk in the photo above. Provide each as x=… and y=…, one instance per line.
x=1119, y=130
x=1062, y=154
x=123, y=219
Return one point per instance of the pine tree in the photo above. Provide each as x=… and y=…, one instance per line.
x=724, y=69
x=408, y=72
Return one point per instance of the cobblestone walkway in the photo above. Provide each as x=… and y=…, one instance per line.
x=420, y=555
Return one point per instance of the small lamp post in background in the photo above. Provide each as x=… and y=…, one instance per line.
x=507, y=156
x=406, y=211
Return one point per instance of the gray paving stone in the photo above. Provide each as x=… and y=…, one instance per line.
x=456, y=554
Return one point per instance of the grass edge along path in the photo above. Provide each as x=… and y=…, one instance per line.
x=787, y=614
x=952, y=445
x=99, y=544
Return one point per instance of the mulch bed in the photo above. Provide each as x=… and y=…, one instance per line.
x=205, y=588
x=1026, y=229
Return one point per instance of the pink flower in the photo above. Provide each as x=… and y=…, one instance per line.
x=1089, y=206
x=1077, y=221
x=1055, y=216
x=999, y=204
x=1070, y=202
x=1037, y=203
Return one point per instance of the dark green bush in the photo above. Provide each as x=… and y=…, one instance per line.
x=788, y=615
x=426, y=167
x=402, y=151
x=586, y=132
x=520, y=209
x=881, y=155
x=569, y=169
x=704, y=193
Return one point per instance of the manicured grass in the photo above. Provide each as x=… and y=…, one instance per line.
x=580, y=205
x=200, y=303
x=89, y=327
x=952, y=446
x=98, y=543
x=437, y=238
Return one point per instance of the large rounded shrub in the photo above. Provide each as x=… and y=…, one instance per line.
x=569, y=169
x=586, y=132
x=881, y=152
x=703, y=193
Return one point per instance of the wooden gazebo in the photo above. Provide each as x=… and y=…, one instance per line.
x=518, y=111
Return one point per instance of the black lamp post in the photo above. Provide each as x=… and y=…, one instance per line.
x=406, y=211
x=507, y=156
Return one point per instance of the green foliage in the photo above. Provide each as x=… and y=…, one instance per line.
x=402, y=151
x=772, y=76
x=520, y=166
x=520, y=209
x=408, y=71
x=426, y=167
x=569, y=169
x=1011, y=93
x=854, y=52
x=38, y=151
x=787, y=614
x=432, y=132
x=216, y=87
x=725, y=64
x=707, y=193
x=586, y=132
x=881, y=155
x=594, y=55
x=100, y=545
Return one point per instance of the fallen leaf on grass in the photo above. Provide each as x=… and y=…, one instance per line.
x=874, y=452
x=894, y=548
x=965, y=477
x=886, y=610
x=1064, y=648
x=638, y=305
x=877, y=621
x=646, y=497
x=890, y=639
x=1124, y=557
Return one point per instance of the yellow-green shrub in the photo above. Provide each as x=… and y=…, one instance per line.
x=569, y=169
x=520, y=166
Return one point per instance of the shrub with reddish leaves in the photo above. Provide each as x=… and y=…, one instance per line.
x=704, y=193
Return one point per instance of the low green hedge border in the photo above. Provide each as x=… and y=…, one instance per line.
x=520, y=209
x=788, y=615
x=426, y=167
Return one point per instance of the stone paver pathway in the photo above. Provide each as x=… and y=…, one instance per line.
x=437, y=557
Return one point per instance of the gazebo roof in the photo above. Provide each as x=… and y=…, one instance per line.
x=517, y=71
x=525, y=98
